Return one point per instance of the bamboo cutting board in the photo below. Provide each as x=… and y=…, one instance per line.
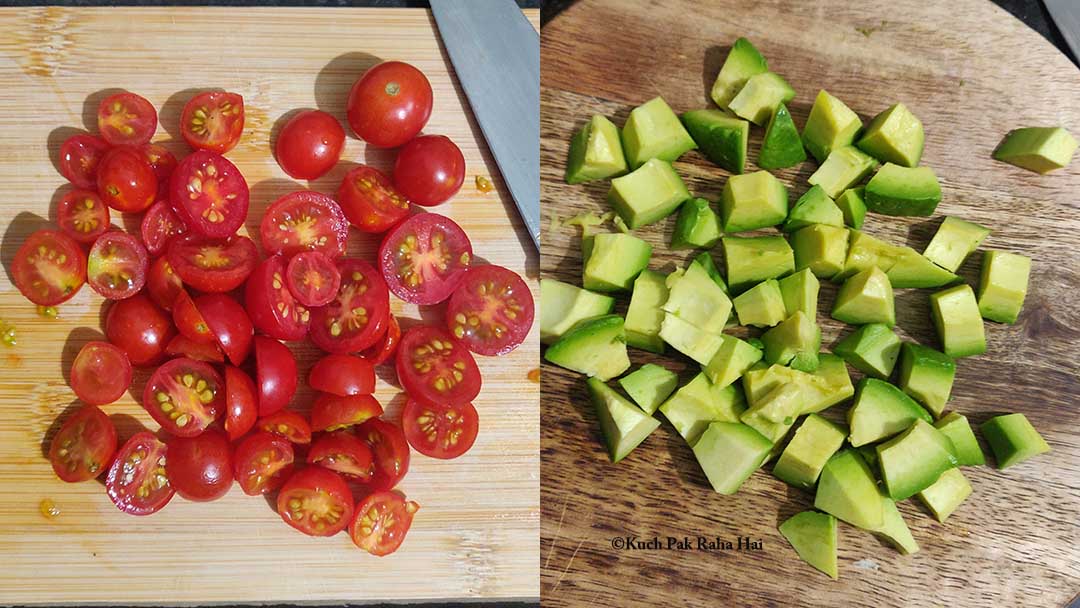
x=971, y=73
x=476, y=533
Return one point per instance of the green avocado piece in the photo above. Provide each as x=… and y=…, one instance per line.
x=689, y=339
x=833, y=375
x=781, y=147
x=720, y=136
x=800, y=293
x=760, y=96
x=830, y=125
x=845, y=167
x=1012, y=439
x=865, y=252
x=783, y=403
x=695, y=298
x=813, y=536
x=654, y=131
x=647, y=195
x=1038, y=149
x=958, y=321
x=644, y=315
x=773, y=431
x=759, y=381
x=881, y=410
x=894, y=136
x=794, y=342
x=696, y=227
x=698, y=403
x=865, y=298
x=927, y=375
x=595, y=152
x=731, y=361
x=893, y=528
x=614, y=262
x=624, y=425
x=729, y=452
x=869, y=454
x=707, y=264
x=752, y=259
x=649, y=386
x=562, y=305
x=594, y=347
x=955, y=426
x=761, y=305
x=872, y=349
x=813, y=207
x=913, y=460
x=752, y=201
x=912, y=269
x=814, y=442
x=946, y=494
x=897, y=190
x=847, y=490
x=954, y=240
x=820, y=248
x=1003, y=285
x=742, y=62
x=852, y=206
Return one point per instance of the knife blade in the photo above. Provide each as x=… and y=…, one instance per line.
x=1066, y=16
x=496, y=55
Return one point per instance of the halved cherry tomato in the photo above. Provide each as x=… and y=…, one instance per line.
x=442, y=431
x=424, y=258
x=200, y=468
x=140, y=329
x=229, y=323
x=126, y=118
x=389, y=104
x=241, y=404
x=185, y=396
x=160, y=160
x=312, y=278
x=83, y=216
x=309, y=144
x=49, y=268
x=344, y=453
x=159, y=225
x=137, y=482
x=435, y=369
x=355, y=319
x=100, y=373
x=213, y=265
x=210, y=194
x=116, y=266
x=304, y=221
x=381, y=522
x=163, y=284
x=125, y=180
x=334, y=412
x=189, y=321
x=272, y=307
x=289, y=425
x=429, y=170
x=276, y=374
x=263, y=462
x=391, y=451
x=343, y=375
x=213, y=120
x=491, y=311
x=381, y=351
x=84, y=446
x=79, y=158
x=370, y=200
x=183, y=346
x=316, y=501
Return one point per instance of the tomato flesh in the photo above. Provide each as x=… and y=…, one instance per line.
x=210, y=194
x=213, y=120
x=389, y=104
x=442, y=432
x=84, y=446
x=390, y=449
x=309, y=144
x=276, y=374
x=100, y=373
x=117, y=264
x=160, y=160
x=49, y=268
x=357, y=316
x=200, y=468
x=491, y=311
x=125, y=181
x=189, y=321
x=333, y=412
x=370, y=200
x=424, y=258
x=381, y=522
x=272, y=307
x=159, y=224
x=140, y=329
x=263, y=462
x=344, y=453
x=163, y=284
x=229, y=323
x=385, y=348
x=312, y=278
x=435, y=369
x=126, y=119
x=183, y=346
x=212, y=265
x=343, y=375
x=83, y=216
x=137, y=482
x=241, y=405
x=79, y=158
x=304, y=221
x=429, y=170
x=289, y=425
x=184, y=396
x=315, y=501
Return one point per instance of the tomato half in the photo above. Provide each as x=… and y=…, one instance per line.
x=200, y=468
x=210, y=194
x=344, y=453
x=241, y=402
x=160, y=160
x=354, y=319
x=442, y=431
x=435, y=369
x=213, y=120
x=126, y=118
x=84, y=446
x=189, y=321
x=343, y=375
x=229, y=323
x=429, y=170
x=334, y=412
x=116, y=266
x=49, y=268
x=270, y=304
x=491, y=311
x=183, y=346
x=309, y=144
x=163, y=284
x=389, y=104
x=381, y=522
x=213, y=265
x=79, y=158
x=304, y=221
x=140, y=329
x=83, y=216
x=370, y=200
x=312, y=278
x=263, y=461
x=289, y=425
x=316, y=501
x=391, y=451
x=137, y=482
x=125, y=180
x=100, y=373
x=184, y=396
x=424, y=258
x=159, y=224
x=381, y=351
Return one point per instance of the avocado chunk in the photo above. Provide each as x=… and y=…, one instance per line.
x=695, y=298
x=955, y=426
x=794, y=342
x=958, y=321
x=881, y=410
x=614, y=261
x=761, y=306
x=845, y=167
x=800, y=293
x=623, y=424
x=760, y=96
x=927, y=375
x=729, y=452
x=759, y=381
x=813, y=536
x=784, y=402
x=1038, y=149
x=833, y=375
x=913, y=460
x=595, y=152
x=865, y=298
x=864, y=252
x=644, y=315
x=731, y=361
x=830, y=125
x=654, y=131
x=820, y=248
x=707, y=264
x=894, y=136
x=912, y=269
x=594, y=347
x=742, y=62
x=649, y=385
x=753, y=201
x=773, y=431
x=897, y=190
x=1012, y=439
x=689, y=339
x=872, y=349
x=847, y=490
x=698, y=403
x=720, y=136
x=814, y=442
x=893, y=528
x=946, y=494
x=781, y=147
x=813, y=207
x=852, y=206
x=954, y=240
x=752, y=259
x=696, y=227
x=828, y=385
x=650, y=193
x=562, y=305
x=1003, y=285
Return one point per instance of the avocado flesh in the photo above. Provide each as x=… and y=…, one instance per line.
x=946, y=494
x=795, y=342
x=893, y=527
x=847, y=489
x=800, y=293
x=750, y=260
x=760, y=96
x=853, y=206
x=782, y=404
x=695, y=298
x=1003, y=285
x=1012, y=439
x=752, y=201
x=865, y=298
x=731, y=361
x=845, y=167
x=647, y=195
x=813, y=536
x=895, y=135
x=742, y=62
x=696, y=227
x=623, y=424
x=813, y=207
x=905, y=191
x=958, y=321
x=760, y=381
x=689, y=339
x=729, y=452
x=830, y=125
x=832, y=375
x=954, y=240
x=912, y=269
x=595, y=152
x=699, y=403
x=594, y=347
x=781, y=146
x=720, y=136
x=706, y=262
x=562, y=305
x=820, y=248
x=927, y=375
x=1038, y=149
x=814, y=442
x=761, y=305
x=881, y=410
x=872, y=349
x=644, y=315
x=864, y=252
x=654, y=131
x=649, y=385
x=913, y=460
x=773, y=431
x=828, y=385
x=956, y=427
x=614, y=261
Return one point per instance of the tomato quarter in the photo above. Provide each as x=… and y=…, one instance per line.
x=429, y=170
x=182, y=346
x=381, y=351
x=272, y=307
x=83, y=216
x=241, y=403
x=344, y=453
x=315, y=501
x=83, y=447
x=117, y=264
x=163, y=284
x=312, y=278
x=381, y=522
x=213, y=265
x=125, y=181
x=79, y=158
x=263, y=462
x=137, y=482
x=390, y=449
x=100, y=373
x=276, y=374
x=333, y=412
x=304, y=221
x=213, y=120
x=435, y=369
x=209, y=194
x=370, y=200
x=140, y=329
x=289, y=425
x=440, y=431
x=200, y=468
x=126, y=118
x=184, y=396
x=491, y=311
x=424, y=258
x=229, y=323
x=49, y=268
x=343, y=375
x=161, y=161
x=159, y=224
x=309, y=144
x=189, y=321
x=356, y=318
x=389, y=104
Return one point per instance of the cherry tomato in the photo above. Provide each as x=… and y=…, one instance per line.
x=49, y=268
x=389, y=104
x=185, y=396
x=183, y=346
x=83, y=216
x=309, y=144
x=213, y=265
x=263, y=461
x=370, y=200
x=117, y=264
x=229, y=323
x=385, y=348
x=429, y=170
x=312, y=278
x=435, y=369
x=381, y=522
x=440, y=431
x=344, y=453
x=84, y=446
x=189, y=321
x=100, y=373
x=354, y=319
x=289, y=425
x=333, y=412
x=159, y=225
x=209, y=194
x=213, y=120
x=79, y=158
x=160, y=160
x=241, y=405
x=200, y=468
x=491, y=311
x=315, y=501
x=304, y=221
x=137, y=482
x=140, y=329
x=343, y=375
x=272, y=307
x=276, y=374
x=163, y=284
x=424, y=258
x=125, y=180
x=391, y=451
x=126, y=118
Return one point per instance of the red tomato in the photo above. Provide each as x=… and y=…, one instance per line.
x=344, y=453
x=312, y=278
x=385, y=348
x=213, y=120
x=272, y=307
x=429, y=170
x=355, y=319
x=200, y=468
x=435, y=369
x=117, y=264
x=137, y=482
x=241, y=405
x=83, y=447
x=424, y=258
x=183, y=346
x=185, y=396
x=160, y=160
x=289, y=425
x=440, y=431
x=333, y=412
x=315, y=501
x=189, y=321
x=229, y=323
x=213, y=265
x=276, y=374
x=79, y=158
x=370, y=200
x=159, y=225
x=491, y=311
x=391, y=451
x=389, y=104
x=304, y=221
x=263, y=462
x=209, y=194
x=140, y=329
x=163, y=284
x=125, y=180
x=343, y=375
x=100, y=373
x=83, y=216
x=49, y=268
x=309, y=144
x=126, y=118
x=381, y=522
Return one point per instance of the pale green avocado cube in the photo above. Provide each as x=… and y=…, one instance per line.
x=912, y=269
x=594, y=347
x=761, y=305
x=752, y=259
x=845, y=167
x=872, y=349
x=782, y=404
x=927, y=375
x=1003, y=285
x=720, y=136
x=649, y=385
x=956, y=427
x=729, y=452
x=647, y=195
x=781, y=146
x=813, y=536
x=847, y=489
x=866, y=297
x=833, y=376
x=897, y=190
x=704, y=259
x=893, y=528
x=759, y=381
x=734, y=358
x=894, y=136
x=1012, y=439
x=881, y=410
x=958, y=321
x=853, y=206
x=654, y=131
x=813, y=207
x=614, y=261
x=752, y=201
x=689, y=339
x=760, y=96
x=810, y=448
x=742, y=62
x=913, y=460
x=830, y=125
x=946, y=494
x=794, y=342
x=820, y=248
x=695, y=298
x=698, y=403
x=697, y=226
x=773, y=431
x=644, y=315
x=865, y=252
x=595, y=152
x=954, y=240
x=1038, y=149
x=800, y=292
x=562, y=305
x=623, y=424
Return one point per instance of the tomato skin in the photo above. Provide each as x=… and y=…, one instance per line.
x=160, y=160
x=200, y=468
x=163, y=284
x=209, y=194
x=381, y=351
x=429, y=170
x=389, y=104
x=159, y=224
x=184, y=396
x=52, y=276
x=313, y=487
x=270, y=304
x=333, y=412
x=255, y=476
x=84, y=446
x=213, y=120
x=83, y=216
x=424, y=258
x=79, y=158
x=312, y=222
x=370, y=200
x=229, y=323
x=309, y=144
x=381, y=522
x=182, y=346
x=139, y=466
x=289, y=425
x=343, y=375
x=126, y=119
x=212, y=265
x=125, y=180
x=100, y=373
x=435, y=369
x=312, y=278
x=343, y=452
x=276, y=374
x=336, y=327
x=189, y=321
x=491, y=311
x=140, y=329
x=116, y=266
x=241, y=403
x=391, y=452
x=454, y=428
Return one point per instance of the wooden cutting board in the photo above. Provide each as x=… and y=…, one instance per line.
x=476, y=533
x=971, y=73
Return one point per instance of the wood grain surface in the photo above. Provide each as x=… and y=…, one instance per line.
x=970, y=72
x=476, y=533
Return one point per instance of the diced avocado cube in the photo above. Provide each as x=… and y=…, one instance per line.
x=1003, y=285
x=731, y=361
x=562, y=305
x=795, y=342
x=830, y=125
x=847, y=489
x=1038, y=149
x=594, y=347
x=773, y=431
x=852, y=206
x=896, y=190
x=813, y=207
x=800, y=292
x=720, y=136
x=881, y=410
x=624, y=425
x=695, y=298
x=649, y=385
x=845, y=167
x=698, y=403
x=954, y=240
x=813, y=536
x=869, y=454
x=644, y=315
x=689, y=339
x=893, y=528
x=757, y=382
x=864, y=252
x=782, y=404
x=958, y=321
x=752, y=259
x=945, y=494
x=872, y=349
x=781, y=147
x=742, y=62
x=707, y=264
x=696, y=227
x=865, y=298
x=647, y=195
x=654, y=131
x=1012, y=439
x=809, y=449
x=912, y=269
x=955, y=426
x=729, y=452
x=913, y=460
x=614, y=262
x=833, y=375
x=761, y=305
x=820, y=248
x=927, y=375
x=753, y=201
x=894, y=136
x=595, y=152
x=761, y=94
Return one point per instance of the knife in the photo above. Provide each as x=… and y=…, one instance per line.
x=496, y=54
x=1066, y=16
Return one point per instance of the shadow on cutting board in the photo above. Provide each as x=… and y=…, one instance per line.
x=335, y=80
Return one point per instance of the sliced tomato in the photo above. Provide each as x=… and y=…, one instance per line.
x=229, y=323
x=333, y=412
x=159, y=224
x=344, y=453
x=79, y=158
x=381, y=351
x=100, y=373
x=241, y=402
x=316, y=501
x=84, y=446
x=356, y=318
x=163, y=284
x=140, y=329
x=343, y=375
x=125, y=181
x=391, y=451
x=212, y=265
x=289, y=425
x=213, y=120
x=49, y=268
x=435, y=369
x=304, y=221
x=312, y=278
x=83, y=216
x=137, y=482
x=126, y=118
x=440, y=431
x=210, y=194
x=491, y=311
x=160, y=160
x=424, y=258
x=381, y=522
x=200, y=468
x=183, y=346
x=117, y=264
x=370, y=200
x=185, y=396
x=263, y=462
x=189, y=321
x=272, y=307
x=276, y=374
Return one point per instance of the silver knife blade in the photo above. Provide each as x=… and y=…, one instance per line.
x=1066, y=15
x=496, y=54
